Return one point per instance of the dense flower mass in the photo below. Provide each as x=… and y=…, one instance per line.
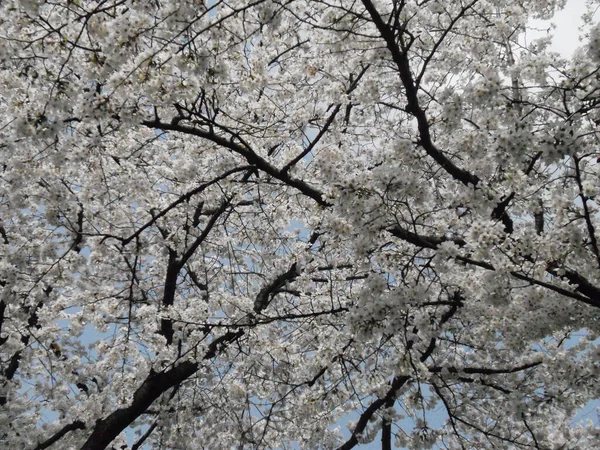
x=263, y=224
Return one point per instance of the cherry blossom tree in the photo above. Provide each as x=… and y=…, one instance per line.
x=296, y=224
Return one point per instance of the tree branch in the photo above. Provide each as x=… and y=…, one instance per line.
x=401, y=60
x=484, y=370
x=76, y=425
x=395, y=385
x=250, y=156
x=591, y=294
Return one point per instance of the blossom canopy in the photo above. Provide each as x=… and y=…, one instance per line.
x=275, y=224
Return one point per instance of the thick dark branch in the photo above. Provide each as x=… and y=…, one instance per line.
x=4, y=235
x=591, y=294
x=499, y=213
x=264, y=296
x=175, y=266
x=194, y=277
x=448, y=411
x=365, y=417
x=313, y=380
x=2, y=310
x=107, y=429
x=250, y=156
x=583, y=285
x=156, y=384
x=13, y=365
x=286, y=317
x=211, y=211
x=15, y=359
x=586, y=213
x=537, y=445
x=197, y=213
x=77, y=425
x=348, y=278
x=321, y=372
x=401, y=60
x=485, y=383
x=538, y=217
x=324, y=129
x=413, y=107
x=79, y=231
x=489, y=433
x=593, y=300
x=432, y=242
x=396, y=383
x=386, y=428
x=483, y=370
x=166, y=325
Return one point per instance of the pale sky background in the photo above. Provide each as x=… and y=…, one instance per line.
x=567, y=22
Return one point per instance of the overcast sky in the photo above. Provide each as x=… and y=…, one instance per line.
x=568, y=21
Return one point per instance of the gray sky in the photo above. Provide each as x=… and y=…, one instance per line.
x=567, y=22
